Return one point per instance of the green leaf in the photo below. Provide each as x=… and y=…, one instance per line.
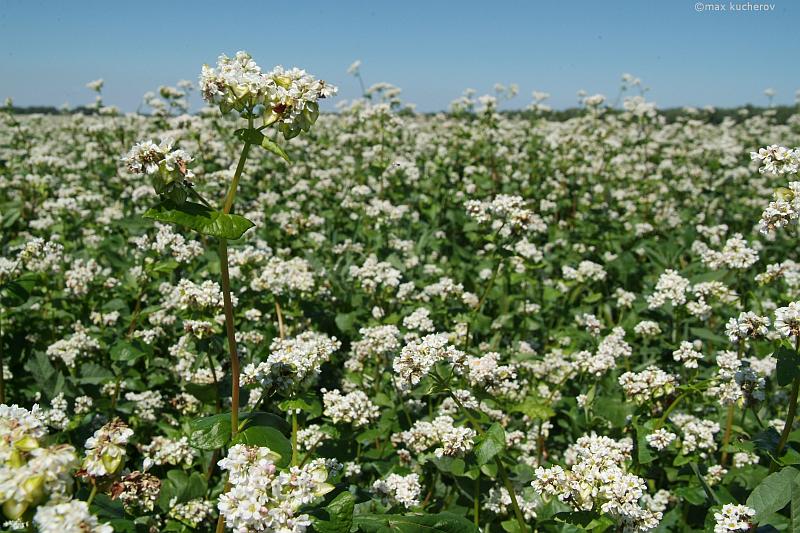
x=450, y=465
x=773, y=493
x=423, y=523
x=795, y=508
x=490, y=444
x=94, y=374
x=272, y=146
x=123, y=526
x=16, y=292
x=126, y=352
x=105, y=507
x=708, y=335
x=339, y=515
x=788, y=367
x=712, y=496
x=200, y=218
x=268, y=437
x=587, y=520
x=345, y=321
x=535, y=408
x=166, y=495
x=179, y=480
x=767, y=440
x=195, y=488
x=307, y=403
x=211, y=432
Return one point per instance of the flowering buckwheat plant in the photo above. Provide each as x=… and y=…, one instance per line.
x=462, y=322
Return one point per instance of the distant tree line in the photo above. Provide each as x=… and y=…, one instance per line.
x=715, y=116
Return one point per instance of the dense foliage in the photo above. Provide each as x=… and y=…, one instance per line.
x=459, y=322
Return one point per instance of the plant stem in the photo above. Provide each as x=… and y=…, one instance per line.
x=727, y=436
x=92, y=494
x=281, y=328
x=787, y=428
x=501, y=469
x=476, y=501
x=226, y=294
x=226, y=207
x=672, y=406
x=2, y=368
x=294, y=437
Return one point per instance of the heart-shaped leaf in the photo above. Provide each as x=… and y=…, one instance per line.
x=200, y=218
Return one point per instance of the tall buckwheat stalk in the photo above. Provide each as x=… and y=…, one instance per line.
x=284, y=100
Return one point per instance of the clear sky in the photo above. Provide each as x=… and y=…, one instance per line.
x=432, y=49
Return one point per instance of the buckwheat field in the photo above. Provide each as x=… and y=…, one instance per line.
x=256, y=317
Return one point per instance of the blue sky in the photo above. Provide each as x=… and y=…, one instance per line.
x=432, y=49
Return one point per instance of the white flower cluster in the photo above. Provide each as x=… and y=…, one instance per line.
x=776, y=159
x=611, y=348
x=787, y=320
x=783, y=210
x=698, y=434
x=733, y=517
x=506, y=214
x=499, y=502
x=598, y=481
x=286, y=95
x=748, y=326
x=687, y=354
x=166, y=451
x=487, y=373
x=374, y=274
x=146, y=404
x=726, y=388
x=192, y=513
x=419, y=356
x=660, y=438
x=68, y=517
x=419, y=320
x=105, y=450
x=376, y=343
x=137, y=491
x=734, y=255
x=397, y=489
x=647, y=328
x=71, y=348
x=353, y=408
x=586, y=271
x=650, y=383
x=292, y=361
x=30, y=472
x=671, y=287
x=280, y=276
x=451, y=440
x=206, y=296
x=148, y=158
x=37, y=255
x=262, y=498
x=171, y=242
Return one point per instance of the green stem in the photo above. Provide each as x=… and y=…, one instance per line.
x=501, y=469
x=2, y=369
x=294, y=437
x=92, y=494
x=226, y=207
x=669, y=410
x=787, y=428
x=226, y=293
x=727, y=436
x=476, y=501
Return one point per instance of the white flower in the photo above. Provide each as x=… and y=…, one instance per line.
x=403, y=490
